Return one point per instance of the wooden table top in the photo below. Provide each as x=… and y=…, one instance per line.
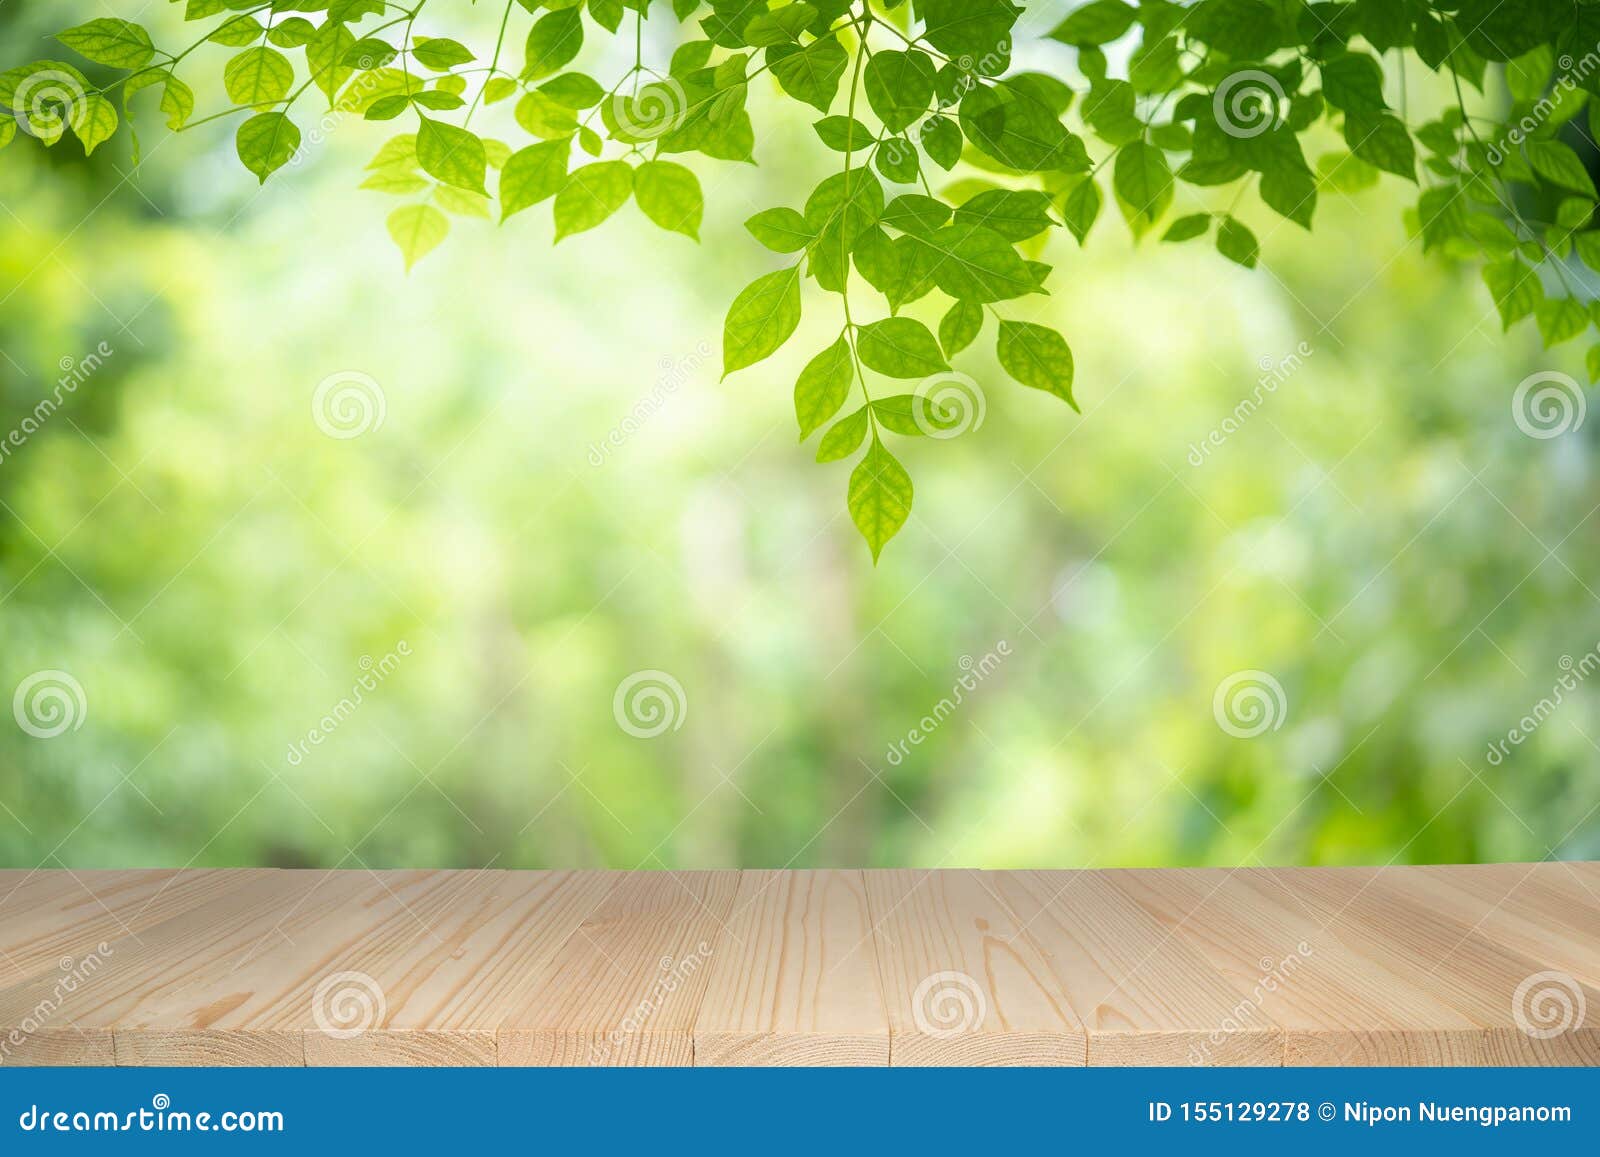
x=1484, y=965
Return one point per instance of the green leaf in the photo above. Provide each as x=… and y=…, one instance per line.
x=761, y=319
x=978, y=29
x=899, y=87
x=177, y=102
x=1384, y=141
x=900, y=347
x=266, y=142
x=977, y=264
x=590, y=195
x=532, y=174
x=915, y=213
x=499, y=88
x=553, y=41
x=1143, y=184
x=1515, y=288
x=844, y=134
x=669, y=195
x=1591, y=363
x=237, y=31
x=843, y=437
x=325, y=58
x=117, y=43
x=295, y=32
x=811, y=73
x=370, y=53
x=880, y=497
x=417, y=229
x=574, y=90
x=823, y=387
x=781, y=230
x=1037, y=356
x=1353, y=82
x=258, y=76
x=1080, y=207
x=94, y=121
x=1017, y=126
x=1096, y=23
x=1237, y=243
x=1557, y=163
x=451, y=154
x=441, y=53
x=1560, y=319
x=941, y=140
x=960, y=327
x=1189, y=227
x=1014, y=214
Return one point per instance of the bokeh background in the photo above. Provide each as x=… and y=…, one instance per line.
x=216, y=573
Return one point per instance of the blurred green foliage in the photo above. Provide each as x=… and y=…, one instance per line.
x=560, y=495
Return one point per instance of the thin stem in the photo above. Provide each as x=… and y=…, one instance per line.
x=494, y=61
x=849, y=193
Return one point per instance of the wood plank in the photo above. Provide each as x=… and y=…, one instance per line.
x=58, y=919
x=78, y=1026
x=965, y=982
x=626, y=986
x=1378, y=913
x=409, y=968
x=1337, y=1006
x=794, y=981
x=1440, y=965
x=1515, y=906
x=1144, y=995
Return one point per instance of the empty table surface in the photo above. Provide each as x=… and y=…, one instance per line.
x=1470, y=965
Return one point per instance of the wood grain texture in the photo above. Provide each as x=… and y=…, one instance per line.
x=794, y=980
x=1336, y=1004
x=965, y=982
x=1385, y=914
x=626, y=986
x=1475, y=965
x=1144, y=995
